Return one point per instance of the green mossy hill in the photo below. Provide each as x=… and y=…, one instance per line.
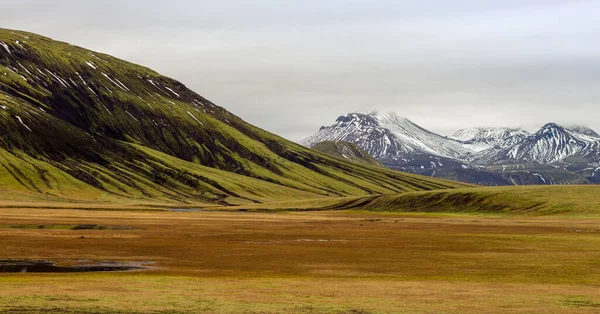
x=346, y=150
x=73, y=120
x=574, y=200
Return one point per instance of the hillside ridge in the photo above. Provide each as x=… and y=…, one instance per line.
x=77, y=121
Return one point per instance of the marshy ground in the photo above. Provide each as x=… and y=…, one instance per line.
x=312, y=262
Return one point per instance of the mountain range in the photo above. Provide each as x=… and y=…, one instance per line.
x=486, y=156
x=81, y=124
x=346, y=150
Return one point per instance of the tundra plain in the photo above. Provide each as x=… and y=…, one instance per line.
x=303, y=262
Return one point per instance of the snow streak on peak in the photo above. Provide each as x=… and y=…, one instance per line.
x=480, y=139
x=584, y=131
x=390, y=136
x=477, y=133
x=552, y=144
x=387, y=135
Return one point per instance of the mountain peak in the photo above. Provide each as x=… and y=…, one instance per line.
x=552, y=143
x=468, y=134
x=356, y=118
x=388, y=115
x=386, y=135
x=584, y=130
x=551, y=125
x=553, y=130
x=482, y=138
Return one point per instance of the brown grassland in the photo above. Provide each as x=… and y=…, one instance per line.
x=305, y=262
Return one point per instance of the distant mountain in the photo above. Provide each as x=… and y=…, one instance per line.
x=346, y=150
x=486, y=156
x=387, y=136
x=585, y=131
x=479, y=139
x=551, y=144
x=77, y=123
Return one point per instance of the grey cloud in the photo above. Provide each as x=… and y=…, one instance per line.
x=292, y=66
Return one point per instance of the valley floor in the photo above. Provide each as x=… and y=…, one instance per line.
x=310, y=262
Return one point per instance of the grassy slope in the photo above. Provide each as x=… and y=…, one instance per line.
x=346, y=150
x=534, y=200
x=573, y=200
x=80, y=124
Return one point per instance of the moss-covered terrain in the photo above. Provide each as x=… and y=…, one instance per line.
x=562, y=200
x=81, y=124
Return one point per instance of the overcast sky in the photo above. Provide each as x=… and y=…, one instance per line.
x=290, y=66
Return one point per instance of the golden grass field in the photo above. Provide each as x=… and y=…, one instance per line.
x=306, y=262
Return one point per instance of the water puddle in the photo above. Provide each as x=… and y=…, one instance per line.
x=35, y=266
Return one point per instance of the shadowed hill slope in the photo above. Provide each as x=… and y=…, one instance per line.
x=76, y=122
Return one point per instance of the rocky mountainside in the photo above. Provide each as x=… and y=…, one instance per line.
x=76, y=122
x=479, y=139
x=488, y=156
x=551, y=144
x=346, y=150
x=387, y=136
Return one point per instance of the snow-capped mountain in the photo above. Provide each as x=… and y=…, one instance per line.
x=491, y=156
x=479, y=139
x=584, y=132
x=551, y=144
x=387, y=136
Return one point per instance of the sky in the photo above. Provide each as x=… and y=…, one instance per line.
x=292, y=66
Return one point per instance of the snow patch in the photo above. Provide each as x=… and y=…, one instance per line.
x=123, y=87
x=21, y=121
x=191, y=115
x=539, y=176
x=107, y=109
x=91, y=65
x=19, y=44
x=132, y=116
x=81, y=78
x=24, y=68
x=172, y=91
x=5, y=47
x=93, y=92
x=59, y=79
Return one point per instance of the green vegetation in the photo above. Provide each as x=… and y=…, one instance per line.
x=522, y=200
x=570, y=200
x=346, y=150
x=77, y=125
x=80, y=129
